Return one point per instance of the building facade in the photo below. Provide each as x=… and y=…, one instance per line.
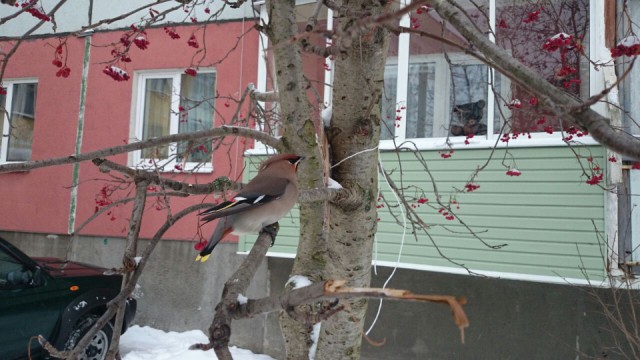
x=528, y=239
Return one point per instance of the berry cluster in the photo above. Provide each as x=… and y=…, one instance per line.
x=116, y=73
x=629, y=46
x=36, y=10
x=58, y=55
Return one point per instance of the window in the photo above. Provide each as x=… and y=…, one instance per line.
x=630, y=90
x=420, y=93
x=18, y=120
x=435, y=94
x=174, y=103
x=629, y=219
x=437, y=114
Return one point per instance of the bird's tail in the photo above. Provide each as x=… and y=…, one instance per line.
x=222, y=230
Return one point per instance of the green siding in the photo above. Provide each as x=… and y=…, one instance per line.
x=546, y=216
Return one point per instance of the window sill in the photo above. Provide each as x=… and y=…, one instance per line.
x=17, y=171
x=261, y=150
x=481, y=142
x=457, y=143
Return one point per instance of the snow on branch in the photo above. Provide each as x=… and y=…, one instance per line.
x=265, y=96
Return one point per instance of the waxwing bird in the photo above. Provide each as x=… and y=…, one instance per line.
x=264, y=200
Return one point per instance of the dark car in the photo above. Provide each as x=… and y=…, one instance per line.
x=57, y=299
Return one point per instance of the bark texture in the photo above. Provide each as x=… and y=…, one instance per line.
x=355, y=126
x=335, y=244
x=299, y=137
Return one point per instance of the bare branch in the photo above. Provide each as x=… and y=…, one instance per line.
x=126, y=15
x=17, y=13
x=220, y=329
x=313, y=19
x=221, y=131
x=262, y=96
x=597, y=125
x=127, y=289
x=114, y=204
x=323, y=51
x=218, y=185
x=15, y=46
x=128, y=261
x=332, y=289
x=595, y=98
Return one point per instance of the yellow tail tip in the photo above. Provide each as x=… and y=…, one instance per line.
x=202, y=258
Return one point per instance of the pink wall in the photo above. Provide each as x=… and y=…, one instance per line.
x=40, y=201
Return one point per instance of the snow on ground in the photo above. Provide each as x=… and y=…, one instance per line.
x=146, y=343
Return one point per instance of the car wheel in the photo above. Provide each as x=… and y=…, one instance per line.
x=99, y=345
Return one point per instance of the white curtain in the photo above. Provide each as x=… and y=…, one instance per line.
x=197, y=95
x=21, y=122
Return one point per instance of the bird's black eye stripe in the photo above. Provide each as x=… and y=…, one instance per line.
x=295, y=161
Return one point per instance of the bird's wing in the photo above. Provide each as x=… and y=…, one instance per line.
x=254, y=195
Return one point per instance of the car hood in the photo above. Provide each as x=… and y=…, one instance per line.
x=62, y=268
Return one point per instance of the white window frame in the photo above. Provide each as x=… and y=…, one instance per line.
x=4, y=144
x=263, y=44
x=634, y=206
x=597, y=50
x=442, y=105
x=263, y=70
x=491, y=140
x=137, y=118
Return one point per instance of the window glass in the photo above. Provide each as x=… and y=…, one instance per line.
x=196, y=104
x=389, y=105
x=551, y=38
x=173, y=104
x=389, y=101
x=157, y=115
x=12, y=273
x=269, y=122
x=22, y=121
x=445, y=86
x=420, y=99
x=448, y=92
x=3, y=100
x=468, y=94
x=630, y=91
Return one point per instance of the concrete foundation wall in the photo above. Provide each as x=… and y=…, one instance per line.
x=509, y=319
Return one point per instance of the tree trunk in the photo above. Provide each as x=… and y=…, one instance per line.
x=300, y=138
x=355, y=126
x=344, y=250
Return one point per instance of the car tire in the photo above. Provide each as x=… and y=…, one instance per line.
x=99, y=345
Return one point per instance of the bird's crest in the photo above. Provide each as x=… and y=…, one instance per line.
x=292, y=158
